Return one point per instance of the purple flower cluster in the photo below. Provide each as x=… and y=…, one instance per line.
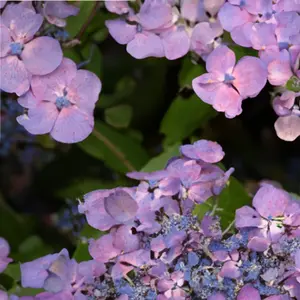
x=270, y=27
x=58, y=98
x=155, y=248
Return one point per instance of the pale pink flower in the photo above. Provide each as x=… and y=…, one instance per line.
x=21, y=56
x=61, y=103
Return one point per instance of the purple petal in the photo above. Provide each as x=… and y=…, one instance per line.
x=91, y=269
x=72, y=125
x=221, y=61
x=208, y=151
x=125, y=240
x=117, y=7
x=263, y=35
x=153, y=176
x=250, y=76
x=2, y=3
x=154, y=15
x=121, y=31
x=193, y=10
x=210, y=228
x=48, y=87
x=248, y=217
x=258, y=244
x=232, y=16
x=103, y=249
x=22, y=22
x=28, y=100
x=288, y=128
x=270, y=201
x=4, y=248
x=213, y=6
x=93, y=208
x=41, y=119
x=119, y=270
x=136, y=258
x=248, y=292
x=200, y=192
x=241, y=34
x=121, y=206
x=217, y=296
x=176, y=42
x=84, y=90
x=145, y=44
x=42, y=55
x=3, y=295
x=14, y=78
x=230, y=270
x=5, y=41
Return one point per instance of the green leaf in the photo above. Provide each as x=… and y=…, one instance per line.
x=183, y=117
x=293, y=84
x=74, y=23
x=159, y=162
x=119, y=116
x=93, y=58
x=242, y=51
x=118, y=151
x=72, y=53
x=232, y=197
x=189, y=71
x=12, y=223
x=82, y=253
x=31, y=248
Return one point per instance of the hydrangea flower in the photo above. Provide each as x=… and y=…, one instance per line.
x=226, y=85
x=61, y=103
x=21, y=54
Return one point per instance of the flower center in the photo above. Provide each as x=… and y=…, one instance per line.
x=242, y=3
x=283, y=45
x=62, y=102
x=228, y=78
x=16, y=48
x=139, y=28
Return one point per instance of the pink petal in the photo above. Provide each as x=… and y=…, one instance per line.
x=283, y=104
x=193, y=10
x=145, y=44
x=279, y=72
x=258, y=244
x=84, y=90
x=40, y=120
x=270, y=201
x=42, y=55
x=121, y=31
x=121, y=206
x=200, y=192
x=207, y=151
x=125, y=240
x=247, y=217
x=14, y=78
x=250, y=76
x=248, y=292
x=5, y=41
x=4, y=248
x=102, y=250
x=72, y=125
x=3, y=295
x=228, y=100
x=232, y=16
x=23, y=22
x=91, y=269
x=176, y=43
x=28, y=100
x=221, y=61
x=288, y=128
x=49, y=87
